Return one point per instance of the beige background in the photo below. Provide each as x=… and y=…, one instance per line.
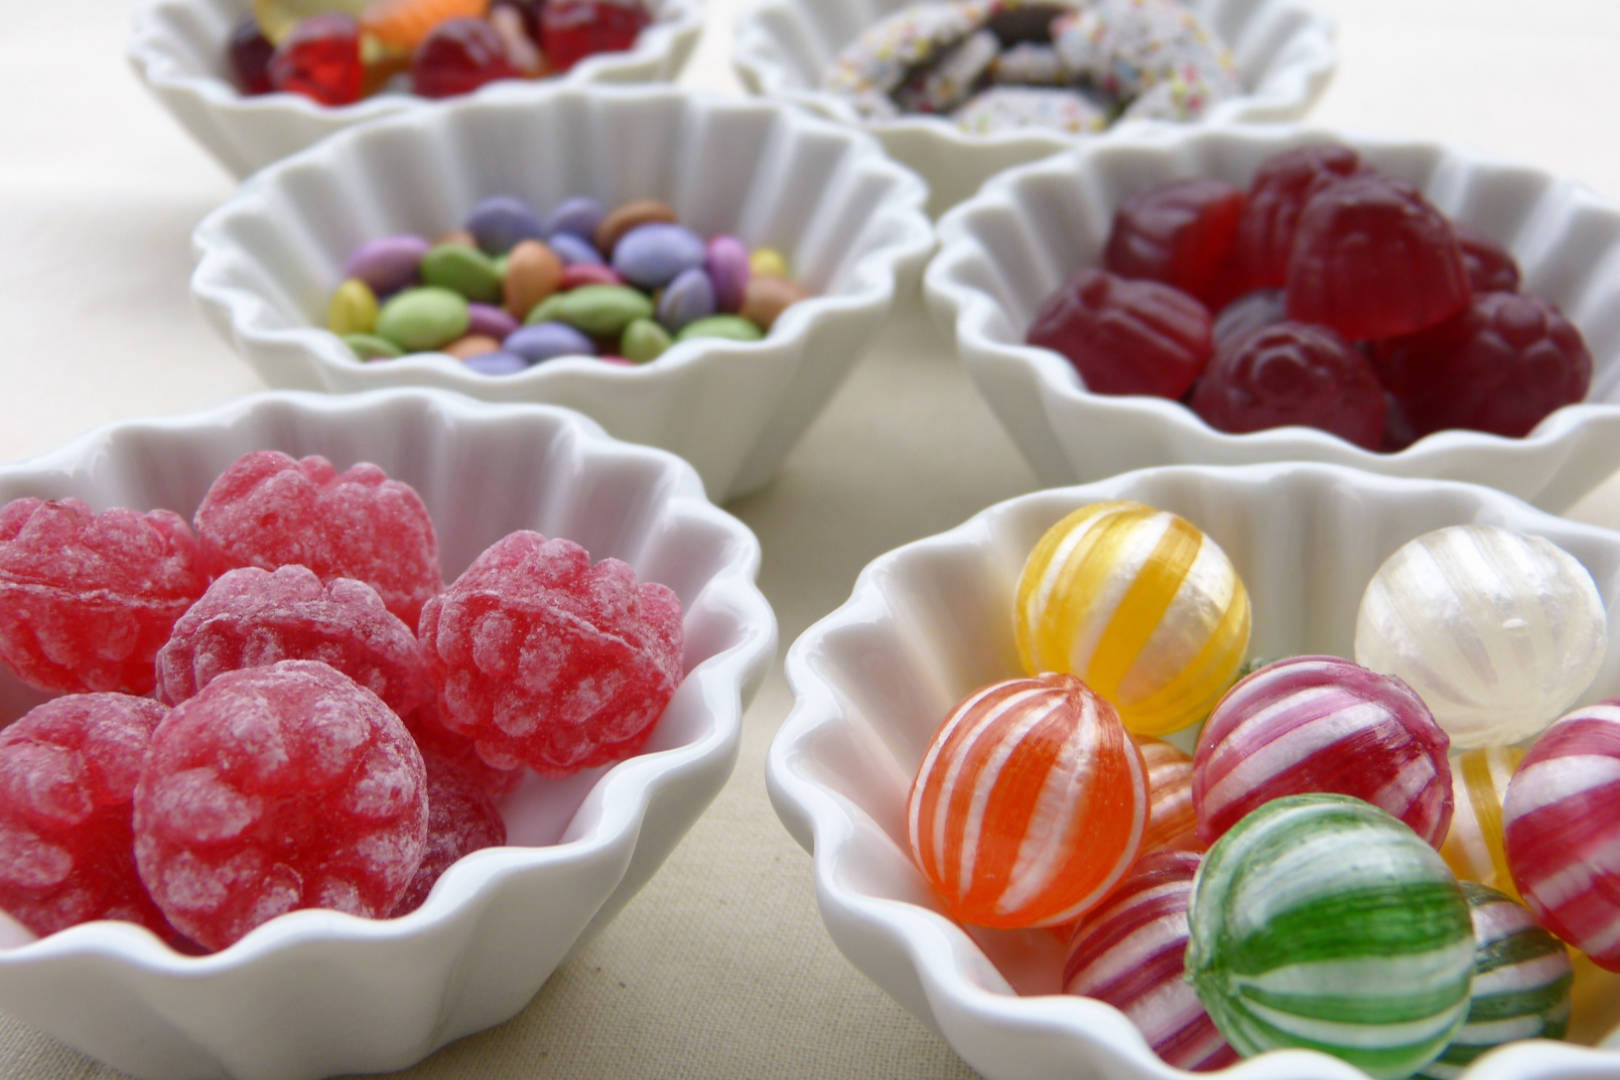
x=720, y=967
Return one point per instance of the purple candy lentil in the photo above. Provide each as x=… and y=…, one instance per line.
x=500, y=221
x=578, y=216
x=387, y=264
x=546, y=340
x=491, y=321
x=499, y=362
x=654, y=255
x=573, y=251
x=725, y=258
x=688, y=298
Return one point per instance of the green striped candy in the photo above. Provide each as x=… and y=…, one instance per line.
x=1522, y=976
x=1320, y=921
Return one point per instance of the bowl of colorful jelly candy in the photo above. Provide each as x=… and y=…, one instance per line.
x=790, y=236
x=1407, y=308
x=256, y=80
x=334, y=723
x=1222, y=768
x=962, y=89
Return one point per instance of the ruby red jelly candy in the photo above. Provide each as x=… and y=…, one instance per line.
x=67, y=775
x=462, y=819
x=1488, y=266
x=320, y=58
x=277, y=788
x=249, y=52
x=268, y=510
x=1373, y=259
x=1179, y=233
x=251, y=617
x=545, y=660
x=1503, y=365
x=1278, y=193
x=1125, y=337
x=1248, y=313
x=458, y=57
x=87, y=599
x=571, y=30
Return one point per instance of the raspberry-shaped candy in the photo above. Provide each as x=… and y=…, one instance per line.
x=1125, y=337
x=1179, y=233
x=458, y=57
x=252, y=618
x=67, y=773
x=1249, y=312
x=571, y=30
x=436, y=740
x=1277, y=194
x=1292, y=373
x=277, y=788
x=1502, y=366
x=545, y=660
x=320, y=59
x=268, y=510
x=1373, y=259
x=87, y=599
x=462, y=819
x=1489, y=266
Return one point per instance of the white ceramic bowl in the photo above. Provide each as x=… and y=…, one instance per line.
x=177, y=49
x=1284, y=51
x=316, y=993
x=1004, y=251
x=931, y=621
x=849, y=221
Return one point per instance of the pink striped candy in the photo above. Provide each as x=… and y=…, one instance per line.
x=1322, y=724
x=1130, y=953
x=1172, y=820
x=1561, y=828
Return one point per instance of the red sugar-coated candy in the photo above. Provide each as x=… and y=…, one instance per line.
x=545, y=660
x=458, y=57
x=268, y=510
x=1489, y=266
x=436, y=740
x=277, y=788
x=1373, y=259
x=1502, y=366
x=1172, y=818
x=87, y=599
x=249, y=52
x=320, y=58
x=251, y=618
x=1292, y=373
x=67, y=774
x=1125, y=337
x=462, y=819
x=1277, y=194
x=1179, y=233
x=571, y=30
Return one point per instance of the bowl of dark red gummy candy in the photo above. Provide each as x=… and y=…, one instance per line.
x=1046, y=819
x=256, y=80
x=1232, y=296
x=335, y=723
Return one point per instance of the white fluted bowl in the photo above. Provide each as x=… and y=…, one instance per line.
x=316, y=993
x=1002, y=252
x=177, y=49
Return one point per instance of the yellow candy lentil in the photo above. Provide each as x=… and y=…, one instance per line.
x=353, y=309
x=768, y=262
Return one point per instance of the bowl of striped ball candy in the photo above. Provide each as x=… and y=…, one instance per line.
x=1248, y=768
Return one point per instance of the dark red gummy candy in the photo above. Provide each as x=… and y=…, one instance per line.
x=251, y=617
x=1488, y=266
x=545, y=660
x=458, y=57
x=462, y=819
x=250, y=51
x=1249, y=312
x=268, y=510
x=1125, y=337
x=277, y=788
x=1179, y=233
x=1277, y=195
x=571, y=30
x=67, y=775
x=320, y=58
x=87, y=599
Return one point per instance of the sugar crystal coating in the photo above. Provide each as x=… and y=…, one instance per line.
x=462, y=819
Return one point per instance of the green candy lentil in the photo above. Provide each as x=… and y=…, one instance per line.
x=353, y=309
x=729, y=327
x=499, y=263
x=372, y=347
x=644, y=340
x=423, y=318
x=547, y=310
x=464, y=270
x=600, y=310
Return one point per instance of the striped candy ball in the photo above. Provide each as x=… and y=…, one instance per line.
x=1561, y=828
x=1130, y=953
x=1320, y=921
x=1029, y=804
x=1321, y=723
x=1522, y=979
x=1172, y=821
x=1473, y=846
x=1498, y=632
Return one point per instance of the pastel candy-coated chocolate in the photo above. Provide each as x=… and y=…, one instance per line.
x=1561, y=828
x=644, y=340
x=1322, y=723
x=580, y=216
x=533, y=273
x=576, y=274
x=1131, y=951
x=490, y=321
x=387, y=264
x=574, y=250
x=629, y=216
x=499, y=362
x=465, y=270
x=766, y=297
x=1473, y=845
x=655, y=254
x=372, y=347
x=547, y=310
x=353, y=309
x=1172, y=817
x=472, y=345
x=499, y=222
x=1498, y=631
x=1141, y=605
x=769, y=262
x=1029, y=804
x=603, y=310
x=688, y=298
x=725, y=259
x=729, y=327
x=546, y=340
x=423, y=318
x=1319, y=921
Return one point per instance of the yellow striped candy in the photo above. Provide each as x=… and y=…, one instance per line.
x=1139, y=604
x=1473, y=846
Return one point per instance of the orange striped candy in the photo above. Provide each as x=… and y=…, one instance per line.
x=405, y=24
x=1172, y=819
x=1030, y=804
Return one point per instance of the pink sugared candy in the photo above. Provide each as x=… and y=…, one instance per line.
x=277, y=788
x=87, y=599
x=67, y=773
x=1322, y=724
x=268, y=510
x=462, y=819
x=1172, y=818
x=252, y=618
x=545, y=660
x=436, y=740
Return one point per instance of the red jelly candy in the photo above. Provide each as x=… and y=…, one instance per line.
x=1249, y=312
x=277, y=788
x=249, y=52
x=1125, y=337
x=1277, y=195
x=251, y=618
x=268, y=510
x=458, y=57
x=1488, y=265
x=86, y=599
x=1179, y=233
x=571, y=30
x=1372, y=259
x=545, y=660
x=320, y=58
x=67, y=774
x=462, y=819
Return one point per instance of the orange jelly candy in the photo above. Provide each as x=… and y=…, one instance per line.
x=404, y=24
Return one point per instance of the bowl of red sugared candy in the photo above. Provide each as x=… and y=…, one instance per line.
x=256, y=81
x=1234, y=296
x=335, y=723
